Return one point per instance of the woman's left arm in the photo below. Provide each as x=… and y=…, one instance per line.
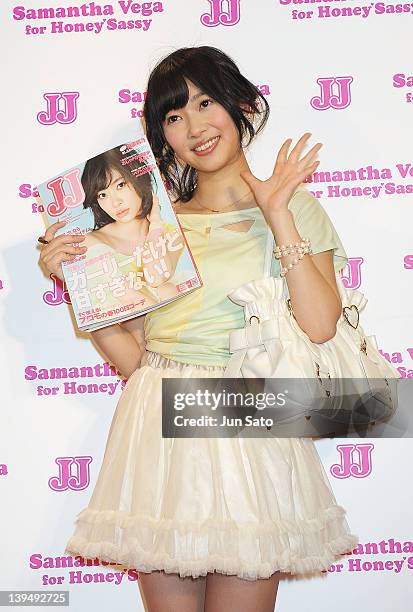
x=312, y=286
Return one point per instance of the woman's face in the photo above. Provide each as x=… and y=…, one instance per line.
x=119, y=200
x=202, y=122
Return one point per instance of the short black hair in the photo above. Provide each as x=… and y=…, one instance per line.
x=97, y=175
x=217, y=75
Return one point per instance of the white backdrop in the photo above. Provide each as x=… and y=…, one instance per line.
x=357, y=50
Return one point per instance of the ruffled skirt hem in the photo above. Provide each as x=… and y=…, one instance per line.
x=249, y=551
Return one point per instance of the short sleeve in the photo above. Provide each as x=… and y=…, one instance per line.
x=313, y=222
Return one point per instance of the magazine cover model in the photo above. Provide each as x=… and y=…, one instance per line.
x=137, y=258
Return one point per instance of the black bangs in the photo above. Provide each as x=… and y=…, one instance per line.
x=215, y=74
x=172, y=93
x=98, y=174
x=172, y=90
x=104, y=178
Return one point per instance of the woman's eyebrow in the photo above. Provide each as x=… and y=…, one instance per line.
x=196, y=96
x=119, y=178
x=191, y=99
x=111, y=183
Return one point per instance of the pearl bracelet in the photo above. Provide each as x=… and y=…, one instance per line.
x=302, y=248
x=291, y=265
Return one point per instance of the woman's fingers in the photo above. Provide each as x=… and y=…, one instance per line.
x=64, y=250
x=300, y=167
x=53, y=254
x=52, y=229
x=294, y=157
x=50, y=235
x=53, y=261
x=282, y=155
x=59, y=245
x=67, y=239
x=60, y=249
x=311, y=154
x=307, y=171
x=295, y=153
x=55, y=264
x=60, y=242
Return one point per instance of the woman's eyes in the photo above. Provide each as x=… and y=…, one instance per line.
x=103, y=194
x=168, y=119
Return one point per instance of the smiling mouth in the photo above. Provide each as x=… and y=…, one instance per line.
x=122, y=213
x=208, y=145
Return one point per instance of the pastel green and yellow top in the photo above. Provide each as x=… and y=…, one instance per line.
x=228, y=249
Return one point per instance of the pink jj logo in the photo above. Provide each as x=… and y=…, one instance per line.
x=61, y=108
x=338, y=99
x=70, y=197
x=74, y=473
x=352, y=277
x=58, y=295
x=355, y=461
x=222, y=12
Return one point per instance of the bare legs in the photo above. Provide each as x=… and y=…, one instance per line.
x=215, y=592
x=163, y=592
x=231, y=594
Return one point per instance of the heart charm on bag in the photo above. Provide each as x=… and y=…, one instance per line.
x=347, y=313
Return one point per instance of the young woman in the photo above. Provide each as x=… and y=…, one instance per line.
x=127, y=217
x=211, y=522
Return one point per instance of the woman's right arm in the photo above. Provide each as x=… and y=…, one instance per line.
x=122, y=344
x=119, y=347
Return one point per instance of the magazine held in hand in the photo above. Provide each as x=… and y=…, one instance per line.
x=137, y=258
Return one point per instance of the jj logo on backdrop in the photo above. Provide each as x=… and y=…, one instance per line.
x=61, y=107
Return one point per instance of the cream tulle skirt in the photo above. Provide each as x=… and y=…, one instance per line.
x=237, y=506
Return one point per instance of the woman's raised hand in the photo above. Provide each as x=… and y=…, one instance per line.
x=274, y=194
x=60, y=248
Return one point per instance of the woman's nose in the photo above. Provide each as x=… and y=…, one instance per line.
x=196, y=127
x=117, y=201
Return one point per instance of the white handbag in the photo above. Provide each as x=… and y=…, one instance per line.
x=336, y=387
